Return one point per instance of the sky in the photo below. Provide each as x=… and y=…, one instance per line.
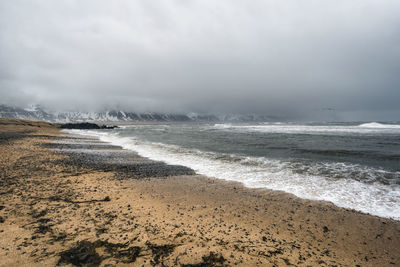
x=226, y=56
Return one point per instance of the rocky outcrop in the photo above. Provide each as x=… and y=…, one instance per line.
x=85, y=126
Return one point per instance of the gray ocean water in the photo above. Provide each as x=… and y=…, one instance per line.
x=354, y=165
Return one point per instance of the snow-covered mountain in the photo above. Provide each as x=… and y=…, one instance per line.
x=37, y=112
x=31, y=113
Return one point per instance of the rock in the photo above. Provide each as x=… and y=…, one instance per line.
x=85, y=126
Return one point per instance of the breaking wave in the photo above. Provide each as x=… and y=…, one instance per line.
x=379, y=125
x=365, y=128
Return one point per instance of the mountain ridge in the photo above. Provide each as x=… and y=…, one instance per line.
x=37, y=112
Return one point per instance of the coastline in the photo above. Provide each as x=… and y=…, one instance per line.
x=59, y=191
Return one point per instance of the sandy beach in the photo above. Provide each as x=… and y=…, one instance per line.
x=70, y=200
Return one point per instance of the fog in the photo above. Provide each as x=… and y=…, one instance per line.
x=265, y=57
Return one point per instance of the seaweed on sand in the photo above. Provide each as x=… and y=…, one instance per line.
x=84, y=253
x=211, y=260
x=160, y=252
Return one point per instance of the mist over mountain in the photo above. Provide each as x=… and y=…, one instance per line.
x=37, y=112
x=282, y=58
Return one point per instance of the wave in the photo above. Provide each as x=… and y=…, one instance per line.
x=318, y=181
x=366, y=128
x=222, y=125
x=379, y=125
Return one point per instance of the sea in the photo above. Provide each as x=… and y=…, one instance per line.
x=353, y=165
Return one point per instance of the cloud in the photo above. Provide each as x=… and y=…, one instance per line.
x=205, y=56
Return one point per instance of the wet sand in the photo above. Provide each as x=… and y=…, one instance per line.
x=72, y=200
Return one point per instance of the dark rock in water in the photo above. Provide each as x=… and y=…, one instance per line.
x=85, y=126
x=108, y=127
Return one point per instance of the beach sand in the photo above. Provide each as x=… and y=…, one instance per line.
x=72, y=200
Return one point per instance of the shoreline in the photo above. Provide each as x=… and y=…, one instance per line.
x=258, y=189
x=128, y=214
x=306, y=180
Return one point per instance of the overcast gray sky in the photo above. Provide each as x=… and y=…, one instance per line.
x=233, y=56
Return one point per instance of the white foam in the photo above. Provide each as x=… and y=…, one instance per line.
x=375, y=198
x=367, y=128
x=379, y=125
